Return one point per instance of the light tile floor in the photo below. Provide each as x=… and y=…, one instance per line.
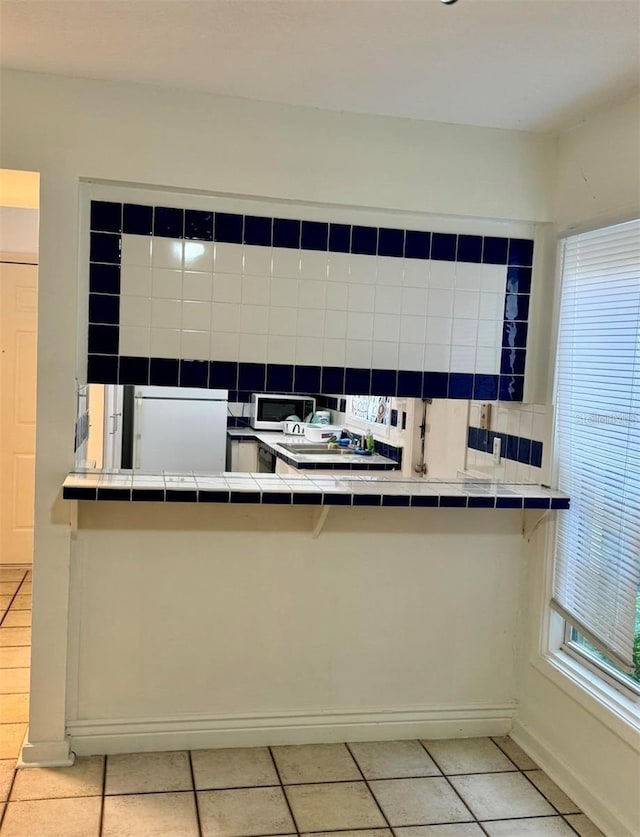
x=460, y=788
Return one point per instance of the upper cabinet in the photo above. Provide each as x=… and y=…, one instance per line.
x=252, y=296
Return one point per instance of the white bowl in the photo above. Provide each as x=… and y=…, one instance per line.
x=321, y=432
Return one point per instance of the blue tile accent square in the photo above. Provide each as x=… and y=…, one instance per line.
x=147, y=495
x=417, y=244
x=73, y=493
x=472, y=438
x=443, y=247
x=102, y=369
x=279, y=377
x=518, y=280
x=257, y=230
x=409, y=383
x=396, y=500
x=104, y=308
x=114, y=494
x=514, y=335
x=537, y=502
x=383, y=381
x=286, y=233
x=559, y=502
x=460, y=385
x=333, y=380
x=133, y=370
x=495, y=250
x=106, y=216
x=521, y=252
x=394, y=418
x=524, y=451
x=357, y=381
x=453, y=502
x=306, y=379
x=485, y=387
x=510, y=451
x=252, y=497
x=390, y=242
x=481, y=502
x=512, y=361
x=511, y=387
x=178, y=495
x=103, y=339
x=339, y=238
x=198, y=225
x=364, y=240
x=315, y=235
x=482, y=439
x=104, y=278
x=252, y=376
x=516, y=307
x=227, y=227
x=223, y=374
x=211, y=496
x=336, y=499
x=424, y=500
x=163, y=372
x=137, y=219
x=508, y=502
x=168, y=222
x=469, y=248
x=367, y=500
x=306, y=498
x=194, y=373
x=104, y=247
x=536, y=454
x=435, y=385
x=277, y=498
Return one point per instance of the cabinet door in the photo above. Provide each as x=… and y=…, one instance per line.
x=247, y=457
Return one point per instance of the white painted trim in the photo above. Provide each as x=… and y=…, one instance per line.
x=564, y=776
x=203, y=732
x=46, y=754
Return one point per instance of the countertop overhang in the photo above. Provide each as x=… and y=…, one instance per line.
x=389, y=489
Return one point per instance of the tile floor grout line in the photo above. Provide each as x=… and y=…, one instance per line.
x=544, y=796
x=195, y=794
x=454, y=789
x=102, y=795
x=374, y=797
x=284, y=792
x=9, y=792
x=20, y=583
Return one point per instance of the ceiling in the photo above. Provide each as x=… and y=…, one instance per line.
x=536, y=65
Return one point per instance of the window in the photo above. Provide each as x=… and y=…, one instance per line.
x=597, y=554
x=366, y=410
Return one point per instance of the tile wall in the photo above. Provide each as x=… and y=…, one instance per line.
x=247, y=302
x=525, y=431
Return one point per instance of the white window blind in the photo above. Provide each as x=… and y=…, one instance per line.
x=597, y=557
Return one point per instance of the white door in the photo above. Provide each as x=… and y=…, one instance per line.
x=18, y=326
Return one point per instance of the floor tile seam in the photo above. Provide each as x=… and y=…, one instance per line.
x=545, y=797
x=575, y=830
x=147, y=792
x=368, y=786
x=9, y=792
x=195, y=794
x=284, y=792
x=491, y=738
x=454, y=789
x=12, y=599
x=104, y=785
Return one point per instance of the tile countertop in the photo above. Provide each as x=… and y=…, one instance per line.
x=341, y=461
x=315, y=489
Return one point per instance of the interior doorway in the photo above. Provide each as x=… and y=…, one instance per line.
x=19, y=214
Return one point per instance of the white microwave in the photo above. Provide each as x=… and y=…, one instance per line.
x=269, y=410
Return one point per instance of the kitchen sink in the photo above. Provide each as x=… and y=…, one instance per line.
x=317, y=450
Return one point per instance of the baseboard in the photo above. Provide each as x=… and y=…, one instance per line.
x=45, y=754
x=565, y=777
x=200, y=732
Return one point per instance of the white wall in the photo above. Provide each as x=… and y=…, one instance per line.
x=232, y=625
x=576, y=737
x=70, y=129
x=18, y=230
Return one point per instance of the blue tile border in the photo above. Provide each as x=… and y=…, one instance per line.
x=517, y=448
x=109, y=220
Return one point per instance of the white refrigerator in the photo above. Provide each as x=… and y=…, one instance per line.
x=179, y=429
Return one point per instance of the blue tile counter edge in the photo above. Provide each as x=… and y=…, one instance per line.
x=325, y=490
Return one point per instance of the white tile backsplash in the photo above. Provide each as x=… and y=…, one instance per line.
x=379, y=311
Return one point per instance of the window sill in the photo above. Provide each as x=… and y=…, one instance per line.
x=620, y=714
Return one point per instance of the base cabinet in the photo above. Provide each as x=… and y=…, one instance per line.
x=243, y=456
